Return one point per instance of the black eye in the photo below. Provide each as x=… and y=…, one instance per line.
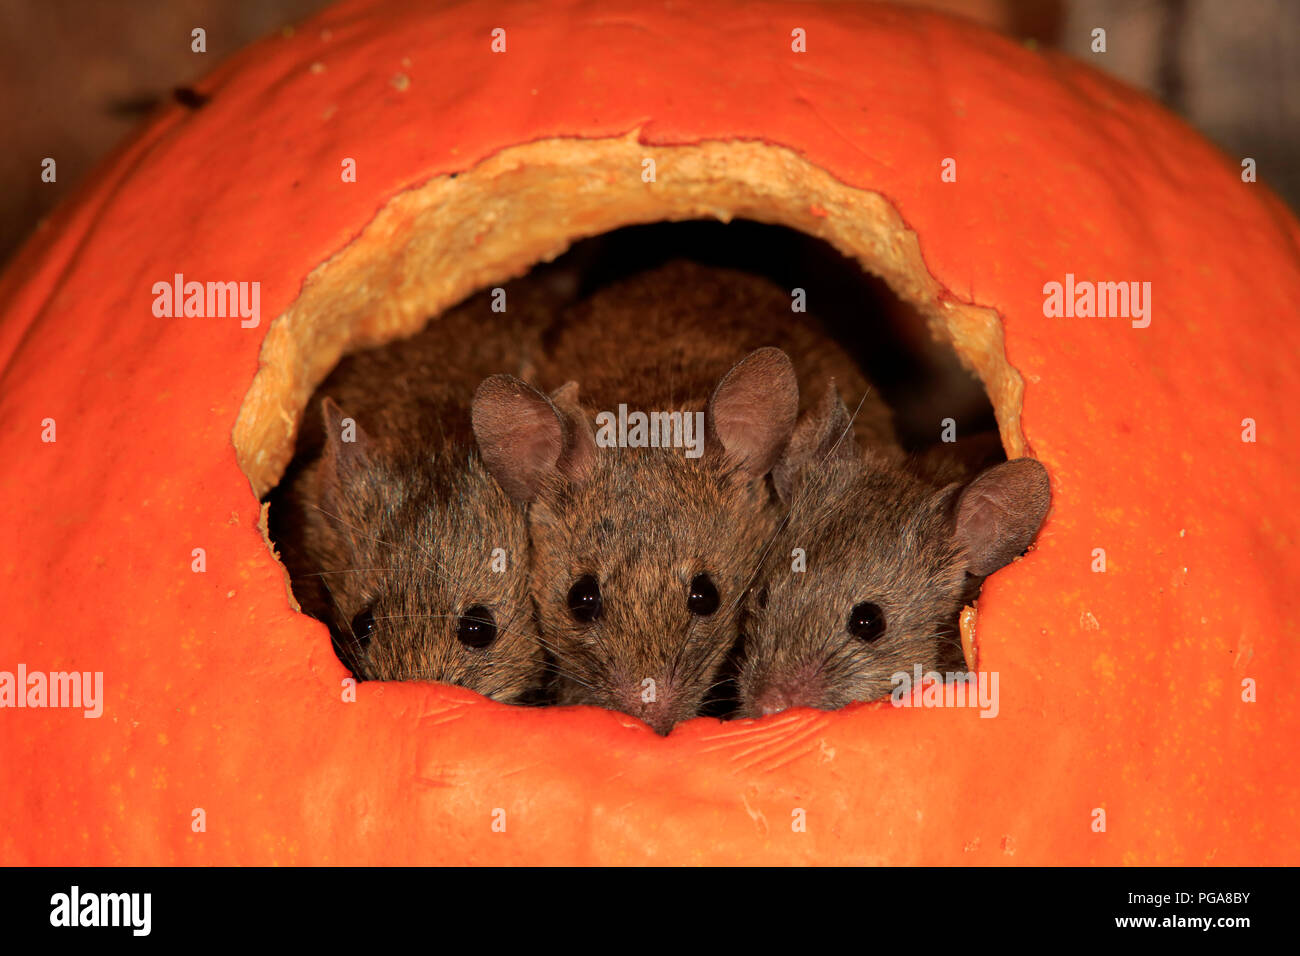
x=584, y=599
x=363, y=627
x=867, y=621
x=762, y=598
x=476, y=627
x=703, y=598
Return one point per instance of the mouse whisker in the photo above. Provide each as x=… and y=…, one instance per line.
x=578, y=658
x=785, y=520
x=716, y=684
x=447, y=576
x=313, y=574
x=355, y=530
x=568, y=675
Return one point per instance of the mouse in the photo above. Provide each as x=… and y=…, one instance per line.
x=393, y=531
x=873, y=563
x=641, y=555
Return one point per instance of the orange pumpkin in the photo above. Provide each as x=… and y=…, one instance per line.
x=1160, y=690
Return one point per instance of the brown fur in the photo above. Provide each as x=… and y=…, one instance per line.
x=671, y=332
x=404, y=521
x=646, y=521
x=870, y=532
x=875, y=531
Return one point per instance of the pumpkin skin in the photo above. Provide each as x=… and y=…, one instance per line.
x=1119, y=690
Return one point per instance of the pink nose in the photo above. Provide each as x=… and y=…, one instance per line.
x=660, y=714
x=660, y=721
x=773, y=699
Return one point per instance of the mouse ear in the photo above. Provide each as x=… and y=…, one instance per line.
x=824, y=432
x=752, y=411
x=999, y=513
x=579, y=440
x=347, y=446
x=526, y=439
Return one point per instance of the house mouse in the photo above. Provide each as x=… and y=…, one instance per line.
x=399, y=539
x=641, y=555
x=890, y=556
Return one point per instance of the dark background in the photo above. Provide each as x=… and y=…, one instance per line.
x=77, y=75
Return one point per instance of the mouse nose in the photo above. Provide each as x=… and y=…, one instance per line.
x=660, y=712
x=772, y=701
x=660, y=721
x=775, y=698
x=659, y=716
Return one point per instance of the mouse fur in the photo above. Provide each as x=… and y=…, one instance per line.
x=647, y=523
x=875, y=531
x=390, y=539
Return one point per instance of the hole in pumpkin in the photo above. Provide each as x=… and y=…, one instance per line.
x=397, y=273
x=922, y=381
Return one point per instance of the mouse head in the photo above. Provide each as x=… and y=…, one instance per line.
x=868, y=576
x=425, y=561
x=641, y=555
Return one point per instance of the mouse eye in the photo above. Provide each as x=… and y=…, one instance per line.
x=584, y=599
x=867, y=621
x=476, y=628
x=363, y=627
x=703, y=597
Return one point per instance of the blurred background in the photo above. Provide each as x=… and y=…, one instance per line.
x=77, y=75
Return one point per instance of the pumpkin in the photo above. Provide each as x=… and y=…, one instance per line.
x=1146, y=711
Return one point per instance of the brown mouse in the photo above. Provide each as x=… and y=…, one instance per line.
x=400, y=540
x=890, y=557
x=641, y=555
